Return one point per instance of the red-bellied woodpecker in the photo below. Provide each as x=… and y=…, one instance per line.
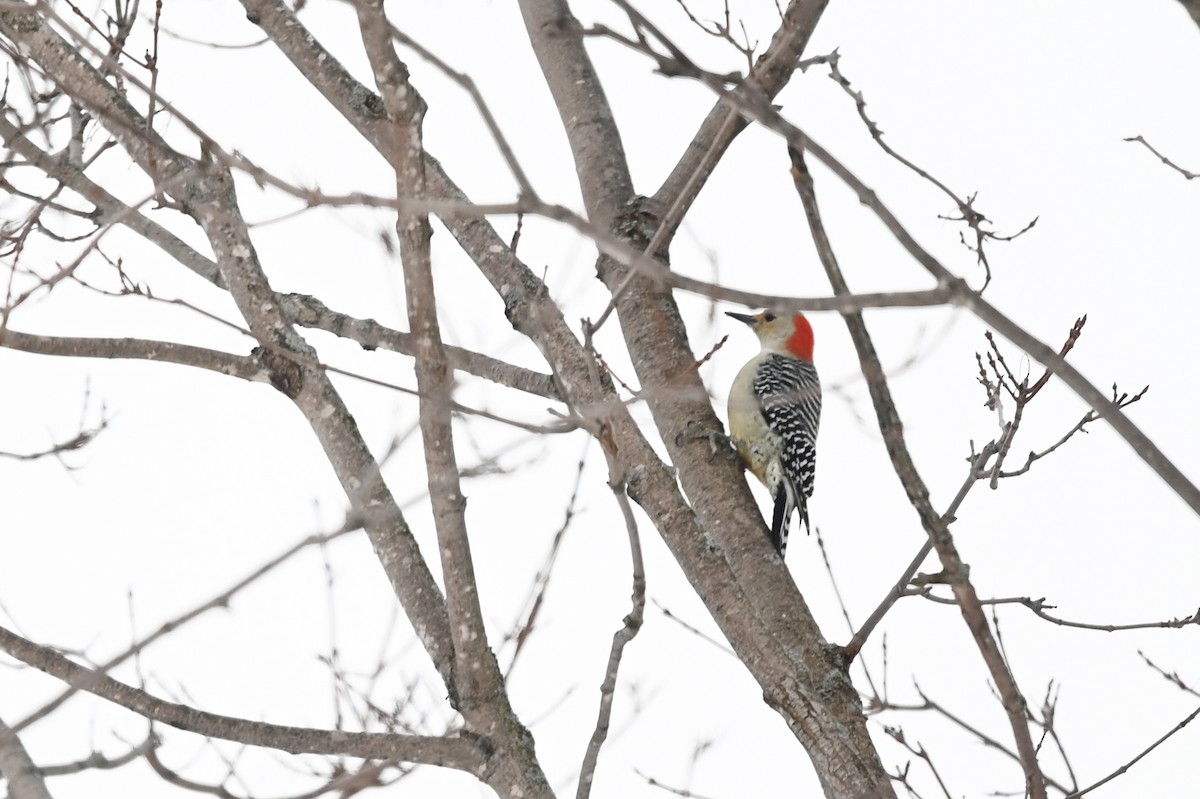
x=774, y=410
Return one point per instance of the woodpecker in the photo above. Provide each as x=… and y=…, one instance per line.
x=774, y=411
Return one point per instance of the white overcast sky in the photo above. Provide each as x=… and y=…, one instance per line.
x=200, y=478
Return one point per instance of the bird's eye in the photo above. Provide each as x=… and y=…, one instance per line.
x=768, y=317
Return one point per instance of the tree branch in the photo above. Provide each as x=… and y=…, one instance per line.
x=918, y=495
x=1118, y=772
x=464, y=754
x=478, y=683
x=310, y=312
x=241, y=366
x=24, y=778
x=621, y=638
x=109, y=209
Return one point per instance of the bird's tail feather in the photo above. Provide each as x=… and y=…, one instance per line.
x=785, y=502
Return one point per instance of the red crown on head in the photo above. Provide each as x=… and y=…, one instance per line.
x=800, y=343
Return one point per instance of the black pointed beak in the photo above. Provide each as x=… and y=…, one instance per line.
x=742, y=317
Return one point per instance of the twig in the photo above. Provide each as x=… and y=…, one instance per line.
x=347, y=783
x=1120, y=400
x=632, y=624
x=1188, y=720
x=669, y=614
x=100, y=762
x=917, y=749
x=1038, y=608
x=1049, y=712
x=974, y=219
x=1171, y=677
x=653, y=783
x=1022, y=393
x=837, y=593
x=724, y=31
x=987, y=740
x=541, y=581
x=1189, y=175
x=75, y=442
x=900, y=588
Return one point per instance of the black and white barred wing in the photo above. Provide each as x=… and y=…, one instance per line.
x=790, y=393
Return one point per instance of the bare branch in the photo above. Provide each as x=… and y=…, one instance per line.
x=476, y=236
x=459, y=753
x=1189, y=175
x=723, y=31
x=987, y=740
x=918, y=495
x=77, y=441
x=101, y=762
x=1171, y=677
x=632, y=624
x=1039, y=606
x=708, y=639
x=225, y=363
x=311, y=312
x=478, y=685
x=582, y=106
x=25, y=780
x=110, y=210
x=532, y=606
x=653, y=783
x=1186, y=721
x=917, y=749
x=974, y=219
x=900, y=588
x=347, y=782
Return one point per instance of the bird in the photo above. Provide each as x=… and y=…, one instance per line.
x=774, y=413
